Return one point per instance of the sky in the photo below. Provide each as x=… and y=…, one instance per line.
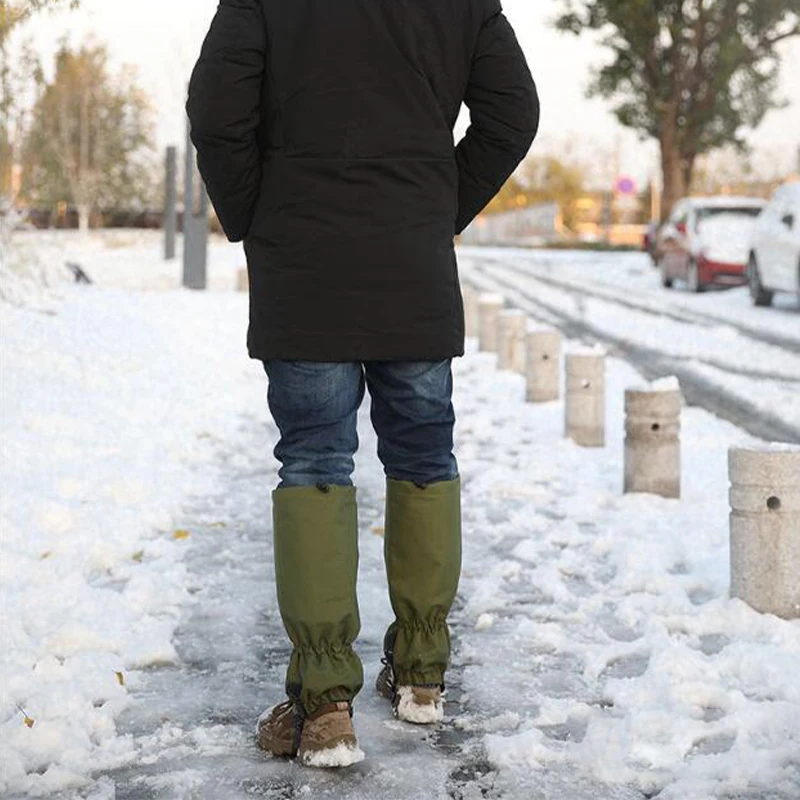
x=162, y=39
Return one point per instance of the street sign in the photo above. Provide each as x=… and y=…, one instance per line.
x=625, y=185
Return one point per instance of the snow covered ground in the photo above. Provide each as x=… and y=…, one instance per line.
x=597, y=653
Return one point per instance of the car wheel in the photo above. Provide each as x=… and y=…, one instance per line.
x=760, y=295
x=693, y=278
x=666, y=280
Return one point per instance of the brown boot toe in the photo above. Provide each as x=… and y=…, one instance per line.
x=328, y=738
x=278, y=730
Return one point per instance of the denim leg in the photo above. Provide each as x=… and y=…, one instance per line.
x=412, y=412
x=315, y=406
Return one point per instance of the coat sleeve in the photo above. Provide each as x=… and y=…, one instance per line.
x=224, y=109
x=504, y=113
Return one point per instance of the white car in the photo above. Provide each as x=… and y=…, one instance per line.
x=774, y=264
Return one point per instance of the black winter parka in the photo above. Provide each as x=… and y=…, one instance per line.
x=324, y=133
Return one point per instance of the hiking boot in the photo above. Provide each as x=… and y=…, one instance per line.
x=278, y=731
x=420, y=705
x=328, y=738
x=324, y=739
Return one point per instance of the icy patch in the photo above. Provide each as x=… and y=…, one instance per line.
x=340, y=756
x=409, y=710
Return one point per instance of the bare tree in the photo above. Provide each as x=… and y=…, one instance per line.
x=90, y=137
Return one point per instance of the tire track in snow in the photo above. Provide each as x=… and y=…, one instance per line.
x=690, y=316
x=653, y=364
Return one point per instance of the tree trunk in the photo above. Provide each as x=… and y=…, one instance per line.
x=84, y=213
x=674, y=175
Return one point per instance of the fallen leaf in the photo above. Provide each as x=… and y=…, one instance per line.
x=182, y=534
x=378, y=530
x=138, y=556
x=120, y=678
x=25, y=718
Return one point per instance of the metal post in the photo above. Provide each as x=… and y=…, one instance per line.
x=195, y=224
x=171, y=204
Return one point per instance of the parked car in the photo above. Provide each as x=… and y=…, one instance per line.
x=706, y=241
x=774, y=264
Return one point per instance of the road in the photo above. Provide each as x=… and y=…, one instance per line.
x=739, y=362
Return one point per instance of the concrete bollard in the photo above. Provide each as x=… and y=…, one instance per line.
x=511, y=327
x=242, y=280
x=765, y=528
x=652, y=439
x=585, y=401
x=490, y=306
x=543, y=365
x=471, y=310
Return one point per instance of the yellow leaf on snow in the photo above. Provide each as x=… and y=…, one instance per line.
x=182, y=534
x=120, y=678
x=25, y=718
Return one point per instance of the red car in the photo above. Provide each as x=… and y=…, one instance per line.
x=706, y=241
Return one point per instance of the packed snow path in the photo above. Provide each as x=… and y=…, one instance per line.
x=194, y=723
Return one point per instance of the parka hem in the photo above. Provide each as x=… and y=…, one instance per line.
x=359, y=349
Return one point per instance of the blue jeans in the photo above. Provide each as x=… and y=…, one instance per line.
x=315, y=406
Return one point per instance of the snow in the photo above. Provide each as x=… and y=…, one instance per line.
x=27, y=276
x=597, y=653
x=669, y=384
x=107, y=419
x=340, y=756
x=587, y=350
x=409, y=710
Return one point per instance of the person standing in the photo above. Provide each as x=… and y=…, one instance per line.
x=324, y=134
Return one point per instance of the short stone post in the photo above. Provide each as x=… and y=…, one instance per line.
x=471, y=310
x=242, y=280
x=511, y=327
x=765, y=528
x=543, y=365
x=652, y=439
x=585, y=401
x=490, y=306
